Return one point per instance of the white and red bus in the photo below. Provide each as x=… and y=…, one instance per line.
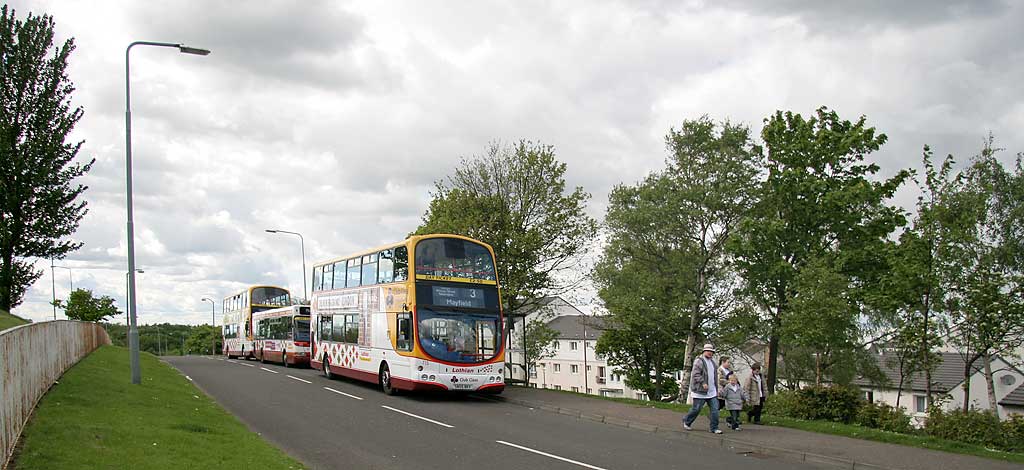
x=282, y=335
x=437, y=329
x=237, y=328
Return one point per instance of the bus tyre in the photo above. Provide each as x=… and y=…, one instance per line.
x=385, y=380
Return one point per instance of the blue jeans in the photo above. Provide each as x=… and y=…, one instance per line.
x=698, y=403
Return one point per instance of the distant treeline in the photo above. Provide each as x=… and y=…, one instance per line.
x=166, y=339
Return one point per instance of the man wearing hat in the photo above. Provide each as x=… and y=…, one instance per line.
x=757, y=391
x=704, y=388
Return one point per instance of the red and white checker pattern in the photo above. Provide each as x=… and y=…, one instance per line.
x=341, y=355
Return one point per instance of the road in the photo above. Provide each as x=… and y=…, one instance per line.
x=346, y=424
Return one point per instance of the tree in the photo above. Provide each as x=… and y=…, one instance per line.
x=986, y=284
x=204, y=337
x=82, y=306
x=818, y=200
x=540, y=343
x=514, y=198
x=38, y=199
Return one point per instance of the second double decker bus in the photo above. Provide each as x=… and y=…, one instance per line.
x=282, y=335
x=238, y=308
x=436, y=328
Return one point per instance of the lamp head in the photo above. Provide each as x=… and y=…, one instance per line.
x=271, y=231
x=192, y=50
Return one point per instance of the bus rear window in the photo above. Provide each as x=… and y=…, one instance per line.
x=453, y=257
x=270, y=296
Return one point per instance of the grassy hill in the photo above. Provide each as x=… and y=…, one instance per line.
x=7, y=320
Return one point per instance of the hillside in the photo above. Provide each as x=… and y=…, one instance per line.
x=7, y=320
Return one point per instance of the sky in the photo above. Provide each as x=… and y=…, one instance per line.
x=334, y=119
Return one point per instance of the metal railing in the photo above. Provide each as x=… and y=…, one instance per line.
x=32, y=358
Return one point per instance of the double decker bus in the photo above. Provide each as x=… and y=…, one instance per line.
x=282, y=335
x=237, y=328
x=436, y=328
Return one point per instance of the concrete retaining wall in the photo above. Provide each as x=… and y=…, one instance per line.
x=32, y=358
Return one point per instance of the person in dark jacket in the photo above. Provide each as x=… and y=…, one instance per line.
x=704, y=388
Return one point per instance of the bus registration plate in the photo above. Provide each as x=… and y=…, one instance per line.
x=463, y=386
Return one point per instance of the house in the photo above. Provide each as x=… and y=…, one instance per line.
x=947, y=385
x=574, y=366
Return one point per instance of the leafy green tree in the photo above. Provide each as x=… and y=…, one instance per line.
x=643, y=328
x=82, y=306
x=39, y=206
x=819, y=199
x=515, y=199
x=201, y=340
x=667, y=239
x=986, y=305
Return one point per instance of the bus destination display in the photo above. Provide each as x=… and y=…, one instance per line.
x=464, y=297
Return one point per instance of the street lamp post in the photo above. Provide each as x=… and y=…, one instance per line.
x=213, y=323
x=71, y=282
x=302, y=245
x=133, y=331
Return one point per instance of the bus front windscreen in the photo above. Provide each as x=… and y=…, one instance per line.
x=301, y=329
x=454, y=258
x=458, y=336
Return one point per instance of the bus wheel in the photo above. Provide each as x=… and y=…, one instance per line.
x=327, y=370
x=385, y=380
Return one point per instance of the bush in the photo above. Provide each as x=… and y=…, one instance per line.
x=828, y=403
x=785, y=403
x=884, y=417
x=833, y=403
x=973, y=427
x=1013, y=433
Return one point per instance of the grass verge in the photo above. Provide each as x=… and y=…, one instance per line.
x=9, y=321
x=877, y=435
x=839, y=429
x=94, y=418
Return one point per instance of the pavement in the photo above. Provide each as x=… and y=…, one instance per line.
x=348, y=424
x=793, y=444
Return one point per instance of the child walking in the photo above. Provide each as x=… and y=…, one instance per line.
x=734, y=396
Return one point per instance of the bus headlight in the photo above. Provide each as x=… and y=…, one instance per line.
x=419, y=368
x=423, y=377
x=432, y=377
x=499, y=370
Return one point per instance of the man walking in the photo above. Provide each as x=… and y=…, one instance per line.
x=757, y=392
x=704, y=388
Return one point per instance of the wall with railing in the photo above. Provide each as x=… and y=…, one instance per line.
x=32, y=358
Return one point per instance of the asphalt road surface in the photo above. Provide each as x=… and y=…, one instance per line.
x=346, y=424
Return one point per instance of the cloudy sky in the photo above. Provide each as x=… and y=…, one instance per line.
x=333, y=119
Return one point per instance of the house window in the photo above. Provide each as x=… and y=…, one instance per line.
x=558, y=387
x=641, y=396
x=869, y=396
x=590, y=391
x=576, y=389
x=572, y=345
x=600, y=371
x=1008, y=380
x=533, y=372
x=557, y=345
x=558, y=368
x=919, y=404
x=588, y=368
x=575, y=369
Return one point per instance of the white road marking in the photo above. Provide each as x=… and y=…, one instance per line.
x=244, y=364
x=220, y=359
x=232, y=361
x=300, y=380
x=189, y=379
x=268, y=370
x=417, y=416
x=339, y=392
x=549, y=455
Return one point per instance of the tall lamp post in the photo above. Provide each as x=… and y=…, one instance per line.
x=302, y=245
x=213, y=323
x=133, y=331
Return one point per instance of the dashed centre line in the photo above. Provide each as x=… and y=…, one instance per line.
x=535, y=451
x=268, y=370
x=296, y=378
x=244, y=364
x=417, y=416
x=339, y=392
